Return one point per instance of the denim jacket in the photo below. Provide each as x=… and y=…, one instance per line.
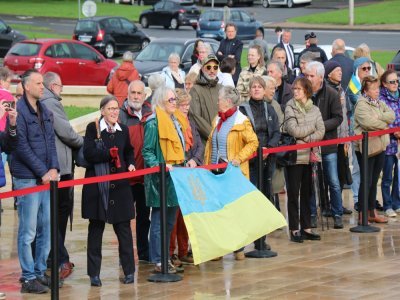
x=35, y=153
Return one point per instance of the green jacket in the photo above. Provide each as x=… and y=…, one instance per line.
x=153, y=156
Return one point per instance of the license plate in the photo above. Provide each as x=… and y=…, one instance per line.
x=193, y=21
x=85, y=38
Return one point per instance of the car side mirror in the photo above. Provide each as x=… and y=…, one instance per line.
x=97, y=59
x=252, y=19
x=8, y=29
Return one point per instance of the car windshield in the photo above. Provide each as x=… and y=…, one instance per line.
x=25, y=49
x=212, y=16
x=159, y=51
x=86, y=25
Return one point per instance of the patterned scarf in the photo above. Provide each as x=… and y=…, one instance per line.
x=374, y=102
x=386, y=94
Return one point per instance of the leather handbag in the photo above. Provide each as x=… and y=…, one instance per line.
x=286, y=158
x=79, y=158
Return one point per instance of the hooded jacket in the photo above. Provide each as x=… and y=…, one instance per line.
x=66, y=137
x=203, y=107
x=118, y=85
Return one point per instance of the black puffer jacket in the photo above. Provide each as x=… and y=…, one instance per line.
x=328, y=101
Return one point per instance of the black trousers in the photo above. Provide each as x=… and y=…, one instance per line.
x=299, y=183
x=142, y=221
x=375, y=166
x=125, y=248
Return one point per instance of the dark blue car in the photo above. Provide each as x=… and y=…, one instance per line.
x=212, y=24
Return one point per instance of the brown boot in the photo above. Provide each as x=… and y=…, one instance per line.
x=375, y=218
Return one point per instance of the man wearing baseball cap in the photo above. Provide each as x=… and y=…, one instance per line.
x=203, y=107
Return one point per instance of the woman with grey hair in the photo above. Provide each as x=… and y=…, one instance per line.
x=232, y=137
x=165, y=140
x=174, y=76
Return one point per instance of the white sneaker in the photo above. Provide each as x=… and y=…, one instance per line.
x=390, y=213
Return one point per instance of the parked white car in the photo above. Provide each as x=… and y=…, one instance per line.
x=288, y=3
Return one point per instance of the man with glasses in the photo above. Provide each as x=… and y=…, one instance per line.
x=66, y=140
x=134, y=113
x=204, y=94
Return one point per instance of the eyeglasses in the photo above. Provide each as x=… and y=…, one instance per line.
x=366, y=68
x=215, y=67
x=172, y=100
x=59, y=85
x=396, y=81
x=113, y=109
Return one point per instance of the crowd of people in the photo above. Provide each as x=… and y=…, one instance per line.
x=218, y=112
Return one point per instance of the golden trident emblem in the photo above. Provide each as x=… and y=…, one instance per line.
x=197, y=189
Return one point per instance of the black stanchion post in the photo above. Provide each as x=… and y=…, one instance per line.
x=260, y=253
x=54, y=239
x=164, y=276
x=364, y=227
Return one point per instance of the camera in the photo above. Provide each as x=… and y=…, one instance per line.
x=8, y=105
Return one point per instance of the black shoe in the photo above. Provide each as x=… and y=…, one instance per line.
x=33, y=287
x=347, y=211
x=337, y=222
x=312, y=236
x=296, y=237
x=327, y=213
x=313, y=221
x=46, y=281
x=95, y=281
x=378, y=206
x=128, y=279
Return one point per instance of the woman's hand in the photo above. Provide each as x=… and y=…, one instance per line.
x=131, y=168
x=169, y=167
x=12, y=116
x=191, y=164
x=235, y=162
x=265, y=155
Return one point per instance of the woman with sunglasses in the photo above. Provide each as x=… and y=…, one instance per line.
x=117, y=155
x=390, y=183
x=166, y=140
x=232, y=138
x=256, y=67
x=371, y=114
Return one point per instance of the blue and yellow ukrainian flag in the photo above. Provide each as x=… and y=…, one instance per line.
x=354, y=84
x=223, y=212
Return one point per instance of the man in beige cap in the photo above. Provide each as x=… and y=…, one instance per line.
x=204, y=108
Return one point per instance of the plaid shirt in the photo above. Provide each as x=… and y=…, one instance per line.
x=394, y=104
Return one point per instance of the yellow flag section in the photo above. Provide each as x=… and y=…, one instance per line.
x=223, y=212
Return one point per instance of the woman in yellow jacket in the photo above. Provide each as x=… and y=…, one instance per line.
x=232, y=137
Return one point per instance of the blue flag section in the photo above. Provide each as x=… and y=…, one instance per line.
x=222, y=212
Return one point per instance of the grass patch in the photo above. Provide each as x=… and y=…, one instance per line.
x=383, y=57
x=386, y=12
x=75, y=111
x=38, y=32
x=67, y=9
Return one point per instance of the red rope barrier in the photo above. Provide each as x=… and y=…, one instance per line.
x=125, y=175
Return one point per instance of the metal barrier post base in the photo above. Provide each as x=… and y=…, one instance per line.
x=164, y=278
x=365, y=229
x=261, y=254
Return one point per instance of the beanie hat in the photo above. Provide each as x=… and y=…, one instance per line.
x=329, y=66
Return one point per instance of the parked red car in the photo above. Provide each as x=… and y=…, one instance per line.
x=75, y=62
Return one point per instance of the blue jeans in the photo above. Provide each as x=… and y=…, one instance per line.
x=329, y=163
x=155, y=231
x=391, y=199
x=355, y=174
x=34, y=221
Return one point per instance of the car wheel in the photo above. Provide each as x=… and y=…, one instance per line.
x=109, y=50
x=145, y=43
x=174, y=23
x=144, y=22
x=290, y=3
x=265, y=3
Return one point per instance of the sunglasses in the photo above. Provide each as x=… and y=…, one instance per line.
x=215, y=67
x=396, y=81
x=172, y=100
x=366, y=69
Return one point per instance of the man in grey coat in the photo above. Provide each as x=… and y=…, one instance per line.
x=66, y=140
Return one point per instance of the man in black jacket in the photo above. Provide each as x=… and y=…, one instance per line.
x=320, y=54
x=328, y=101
